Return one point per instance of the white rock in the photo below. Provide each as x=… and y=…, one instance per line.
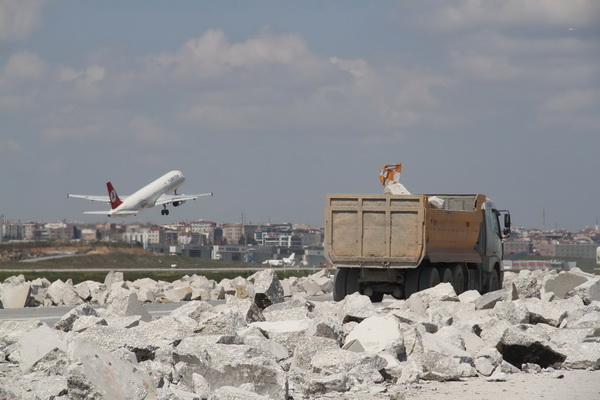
x=111, y=376
x=126, y=304
x=14, y=295
x=36, y=343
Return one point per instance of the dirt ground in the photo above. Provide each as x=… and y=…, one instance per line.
x=573, y=385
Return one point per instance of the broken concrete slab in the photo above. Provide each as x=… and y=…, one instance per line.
x=379, y=333
x=307, y=347
x=14, y=295
x=268, y=289
x=518, y=347
x=288, y=333
x=193, y=309
x=178, y=294
x=224, y=322
x=562, y=283
x=62, y=294
x=65, y=324
x=113, y=277
x=126, y=304
x=489, y=300
x=247, y=308
x=112, y=377
x=356, y=307
x=588, y=291
x=295, y=308
x=543, y=312
x=470, y=296
x=32, y=349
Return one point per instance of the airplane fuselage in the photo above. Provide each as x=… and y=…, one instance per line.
x=146, y=197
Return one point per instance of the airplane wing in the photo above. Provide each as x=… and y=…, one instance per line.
x=114, y=214
x=176, y=198
x=104, y=199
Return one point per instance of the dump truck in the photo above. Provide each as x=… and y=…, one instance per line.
x=400, y=244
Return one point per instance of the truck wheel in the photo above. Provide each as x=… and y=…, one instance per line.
x=429, y=278
x=459, y=277
x=345, y=283
x=376, y=297
x=339, y=284
x=411, y=282
x=494, y=281
x=446, y=275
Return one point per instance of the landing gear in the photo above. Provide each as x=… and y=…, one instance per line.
x=164, y=211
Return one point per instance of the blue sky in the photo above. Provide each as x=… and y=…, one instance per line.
x=273, y=104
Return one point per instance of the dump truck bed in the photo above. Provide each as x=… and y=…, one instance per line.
x=399, y=231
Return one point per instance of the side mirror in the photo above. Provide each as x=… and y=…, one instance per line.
x=506, y=230
x=507, y=220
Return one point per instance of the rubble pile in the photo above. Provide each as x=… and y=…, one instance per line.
x=264, y=346
x=16, y=292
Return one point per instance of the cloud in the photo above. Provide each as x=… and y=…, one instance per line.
x=85, y=81
x=466, y=14
x=486, y=67
x=23, y=66
x=10, y=146
x=19, y=18
x=212, y=54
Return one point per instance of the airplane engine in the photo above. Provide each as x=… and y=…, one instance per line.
x=178, y=203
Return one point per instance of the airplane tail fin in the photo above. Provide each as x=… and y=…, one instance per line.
x=115, y=201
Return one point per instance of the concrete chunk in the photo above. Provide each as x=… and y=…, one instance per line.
x=111, y=376
x=35, y=344
x=127, y=304
x=268, y=289
x=62, y=294
x=14, y=295
x=562, y=283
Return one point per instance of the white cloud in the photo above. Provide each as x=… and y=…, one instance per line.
x=486, y=67
x=19, y=18
x=482, y=13
x=23, y=66
x=85, y=81
x=213, y=55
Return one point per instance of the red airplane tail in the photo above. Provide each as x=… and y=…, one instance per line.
x=115, y=201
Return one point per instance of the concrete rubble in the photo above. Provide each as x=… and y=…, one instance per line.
x=268, y=340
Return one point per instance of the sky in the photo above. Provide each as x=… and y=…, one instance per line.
x=273, y=104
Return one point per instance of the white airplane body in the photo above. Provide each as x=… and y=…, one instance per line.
x=284, y=262
x=153, y=194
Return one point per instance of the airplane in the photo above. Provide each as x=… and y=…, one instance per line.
x=153, y=194
x=284, y=262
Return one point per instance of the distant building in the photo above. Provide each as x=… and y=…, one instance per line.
x=568, y=250
x=517, y=247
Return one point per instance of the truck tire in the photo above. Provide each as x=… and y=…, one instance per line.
x=494, y=281
x=376, y=297
x=411, y=282
x=459, y=276
x=429, y=277
x=345, y=283
x=446, y=275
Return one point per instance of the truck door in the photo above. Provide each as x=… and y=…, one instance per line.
x=493, y=233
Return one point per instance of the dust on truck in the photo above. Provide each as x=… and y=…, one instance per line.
x=400, y=244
